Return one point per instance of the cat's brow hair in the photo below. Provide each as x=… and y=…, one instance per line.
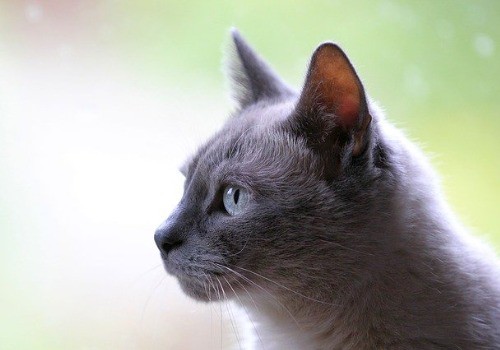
x=217, y=149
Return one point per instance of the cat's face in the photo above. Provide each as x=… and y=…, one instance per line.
x=274, y=179
x=260, y=194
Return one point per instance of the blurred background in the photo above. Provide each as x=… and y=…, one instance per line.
x=101, y=100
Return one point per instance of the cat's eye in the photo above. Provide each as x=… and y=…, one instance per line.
x=235, y=199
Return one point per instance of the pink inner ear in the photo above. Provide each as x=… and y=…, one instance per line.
x=348, y=111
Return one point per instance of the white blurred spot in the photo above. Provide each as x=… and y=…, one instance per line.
x=388, y=8
x=33, y=12
x=484, y=45
x=398, y=12
x=415, y=82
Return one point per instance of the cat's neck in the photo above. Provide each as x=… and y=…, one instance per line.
x=351, y=317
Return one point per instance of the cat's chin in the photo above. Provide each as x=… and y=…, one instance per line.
x=206, y=289
x=197, y=289
x=203, y=284
x=194, y=291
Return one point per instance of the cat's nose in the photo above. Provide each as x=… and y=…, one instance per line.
x=167, y=238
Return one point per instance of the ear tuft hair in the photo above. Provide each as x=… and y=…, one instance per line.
x=251, y=78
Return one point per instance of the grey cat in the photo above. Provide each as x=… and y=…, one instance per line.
x=322, y=220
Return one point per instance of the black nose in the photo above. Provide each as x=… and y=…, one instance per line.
x=167, y=238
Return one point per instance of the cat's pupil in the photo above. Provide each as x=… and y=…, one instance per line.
x=236, y=196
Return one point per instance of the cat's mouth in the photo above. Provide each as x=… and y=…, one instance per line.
x=205, y=283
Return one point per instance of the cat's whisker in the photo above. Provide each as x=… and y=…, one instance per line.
x=241, y=250
x=230, y=314
x=245, y=309
x=234, y=323
x=206, y=286
x=237, y=297
x=150, y=296
x=240, y=137
x=216, y=288
x=213, y=308
x=273, y=298
x=345, y=247
x=144, y=274
x=150, y=270
x=285, y=287
x=207, y=292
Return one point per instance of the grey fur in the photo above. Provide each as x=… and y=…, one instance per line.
x=251, y=78
x=367, y=258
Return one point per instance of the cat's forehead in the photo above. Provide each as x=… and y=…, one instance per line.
x=244, y=134
x=263, y=115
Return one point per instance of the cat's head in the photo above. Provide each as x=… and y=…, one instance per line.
x=274, y=198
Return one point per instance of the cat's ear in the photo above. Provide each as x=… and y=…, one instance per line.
x=332, y=110
x=251, y=78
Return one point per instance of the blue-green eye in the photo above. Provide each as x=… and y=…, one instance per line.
x=235, y=199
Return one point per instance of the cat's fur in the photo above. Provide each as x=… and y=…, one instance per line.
x=346, y=242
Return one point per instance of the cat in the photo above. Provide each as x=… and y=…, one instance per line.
x=325, y=223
